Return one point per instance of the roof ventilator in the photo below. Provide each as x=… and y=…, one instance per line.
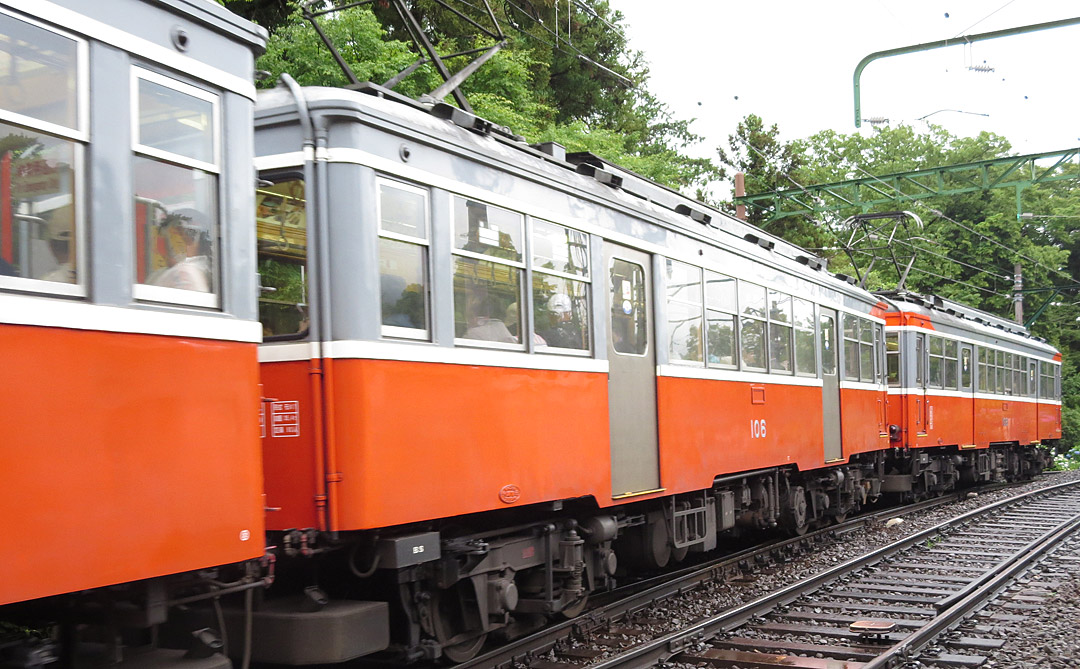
x=694, y=214
x=553, y=149
x=813, y=263
x=766, y=244
x=603, y=176
x=464, y=119
x=844, y=277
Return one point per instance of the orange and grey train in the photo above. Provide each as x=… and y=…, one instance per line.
x=494, y=377
x=499, y=376
x=132, y=473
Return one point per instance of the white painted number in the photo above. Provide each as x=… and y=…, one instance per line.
x=757, y=429
x=417, y=549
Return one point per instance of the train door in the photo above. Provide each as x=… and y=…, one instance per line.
x=919, y=391
x=635, y=457
x=830, y=389
x=967, y=387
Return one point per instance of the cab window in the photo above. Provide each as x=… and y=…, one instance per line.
x=281, y=225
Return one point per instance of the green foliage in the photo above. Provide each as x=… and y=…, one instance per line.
x=537, y=90
x=969, y=243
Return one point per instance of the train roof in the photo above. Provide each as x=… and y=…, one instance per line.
x=585, y=172
x=961, y=316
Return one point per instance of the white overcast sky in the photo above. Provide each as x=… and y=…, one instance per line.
x=791, y=62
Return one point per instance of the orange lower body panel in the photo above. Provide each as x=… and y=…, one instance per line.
x=125, y=457
x=416, y=441
x=1049, y=418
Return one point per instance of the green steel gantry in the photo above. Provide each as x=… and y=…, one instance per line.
x=864, y=194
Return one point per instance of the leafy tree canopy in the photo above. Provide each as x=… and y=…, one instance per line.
x=585, y=90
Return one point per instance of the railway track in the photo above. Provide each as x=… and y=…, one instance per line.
x=620, y=610
x=906, y=595
x=875, y=611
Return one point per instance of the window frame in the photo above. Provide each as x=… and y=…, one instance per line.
x=395, y=331
x=682, y=301
x=521, y=266
x=276, y=177
x=160, y=294
x=763, y=320
x=79, y=136
x=733, y=315
x=138, y=73
x=528, y=323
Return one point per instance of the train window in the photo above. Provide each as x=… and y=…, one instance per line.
x=42, y=126
x=752, y=302
x=176, y=191
x=851, y=347
x=866, y=350
x=1045, y=380
x=965, y=368
x=175, y=122
x=43, y=75
x=999, y=369
x=487, y=300
x=752, y=299
x=936, y=350
x=780, y=327
x=487, y=274
x=488, y=230
x=1007, y=373
x=951, y=362
x=281, y=233
x=684, y=312
x=561, y=314
x=879, y=347
x=892, y=358
x=721, y=305
x=828, y=346
x=559, y=249
x=984, y=371
x=920, y=362
x=805, y=349
x=629, y=308
x=403, y=260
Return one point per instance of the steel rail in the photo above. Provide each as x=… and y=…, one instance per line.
x=958, y=607
x=665, y=647
x=638, y=595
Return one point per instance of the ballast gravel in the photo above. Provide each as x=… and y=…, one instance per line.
x=1049, y=637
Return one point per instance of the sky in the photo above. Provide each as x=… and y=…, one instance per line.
x=791, y=62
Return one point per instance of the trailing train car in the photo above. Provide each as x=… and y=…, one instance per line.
x=128, y=316
x=962, y=380
x=498, y=374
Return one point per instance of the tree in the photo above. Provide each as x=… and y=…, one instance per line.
x=514, y=88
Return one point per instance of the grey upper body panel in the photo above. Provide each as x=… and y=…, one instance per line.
x=455, y=156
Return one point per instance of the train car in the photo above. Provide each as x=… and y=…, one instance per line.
x=128, y=318
x=498, y=375
x=960, y=381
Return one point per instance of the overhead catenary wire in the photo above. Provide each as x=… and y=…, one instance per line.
x=573, y=50
x=828, y=228
x=941, y=214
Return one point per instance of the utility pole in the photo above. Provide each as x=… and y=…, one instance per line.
x=1018, y=295
x=740, y=191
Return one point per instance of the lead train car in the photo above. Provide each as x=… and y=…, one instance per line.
x=960, y=381
x=129, y=400
x=497, y=374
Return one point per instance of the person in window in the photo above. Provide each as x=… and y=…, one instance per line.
x=59, y=232
x=187, y=252
x=561, y=331
x=482, y=324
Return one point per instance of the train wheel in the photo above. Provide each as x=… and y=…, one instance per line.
x=794, y=515
x=456, y=621
x=574, y=609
